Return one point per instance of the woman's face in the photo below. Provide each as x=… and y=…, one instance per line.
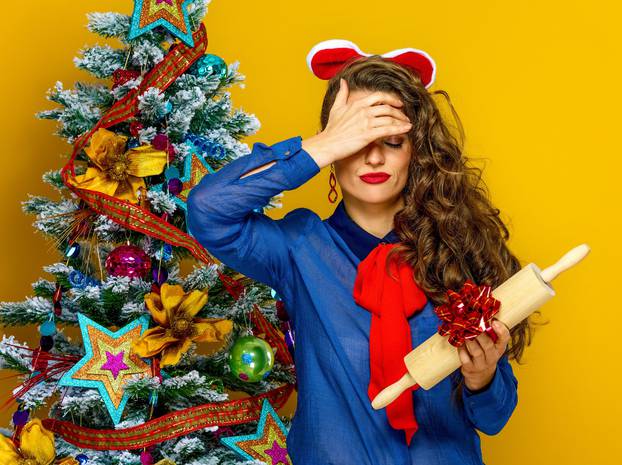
x=390, y=155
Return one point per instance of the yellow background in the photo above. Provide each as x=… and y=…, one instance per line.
x=537, y=85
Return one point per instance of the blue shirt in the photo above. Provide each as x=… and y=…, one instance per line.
x=309, y=264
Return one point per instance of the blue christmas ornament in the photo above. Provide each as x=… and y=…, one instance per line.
x=48, y=328
x=166, y=252
x=208, y=65
x=274, y=294
x=82, y=459
x=168, y=107
x=72, y=250
x=79, y=280
x=133, y=143
x=171, y=173
x=205, y=147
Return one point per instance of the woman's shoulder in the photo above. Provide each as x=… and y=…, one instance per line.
x=299, y=221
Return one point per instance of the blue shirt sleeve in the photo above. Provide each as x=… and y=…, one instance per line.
x=221, y=217
x=490, y=408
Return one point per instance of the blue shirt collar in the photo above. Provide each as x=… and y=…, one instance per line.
x=358, y=240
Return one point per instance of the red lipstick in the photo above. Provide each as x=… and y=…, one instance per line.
x=375, y=178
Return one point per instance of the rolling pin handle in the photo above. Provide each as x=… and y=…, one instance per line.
x=392, y=392
x=569, y=260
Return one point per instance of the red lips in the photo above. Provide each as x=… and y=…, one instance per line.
x=375, y=178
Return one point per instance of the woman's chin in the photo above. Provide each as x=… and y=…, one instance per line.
x=376, y=196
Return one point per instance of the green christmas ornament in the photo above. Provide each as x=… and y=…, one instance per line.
x=209, y=64
x=251, y=359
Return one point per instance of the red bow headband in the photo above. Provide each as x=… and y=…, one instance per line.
x=328, y=57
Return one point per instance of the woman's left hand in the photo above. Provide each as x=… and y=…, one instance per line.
x=479, y=356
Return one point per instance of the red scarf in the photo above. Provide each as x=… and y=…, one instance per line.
x=391, y=302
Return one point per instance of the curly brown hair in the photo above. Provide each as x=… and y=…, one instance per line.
x=449, y=230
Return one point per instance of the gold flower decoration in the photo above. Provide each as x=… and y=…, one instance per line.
x=36, y=447
x=178, y=327
x=116, y=172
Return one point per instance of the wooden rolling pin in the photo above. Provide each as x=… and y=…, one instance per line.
x=520, y=296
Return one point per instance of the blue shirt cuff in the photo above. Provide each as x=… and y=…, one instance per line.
x=305, y=165
x=492, y=393
x=299, y=165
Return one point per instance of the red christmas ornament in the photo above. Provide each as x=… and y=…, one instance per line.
x=171, y=153
x=281, y=312
x=128, y=260
x=121, y=76
x=160, y=142
x=135, y=127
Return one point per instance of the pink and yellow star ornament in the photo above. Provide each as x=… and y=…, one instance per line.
x=268, y=444
x=170, y=14
x=193, y=169
x=108, y=362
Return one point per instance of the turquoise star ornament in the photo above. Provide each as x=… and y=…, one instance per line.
x=193, y=170
x=170, y=14
x=108, y=362
x=268, y=444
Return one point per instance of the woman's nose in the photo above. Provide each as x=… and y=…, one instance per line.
x=374, y=155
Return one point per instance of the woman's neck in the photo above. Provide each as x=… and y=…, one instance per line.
x=375, y=218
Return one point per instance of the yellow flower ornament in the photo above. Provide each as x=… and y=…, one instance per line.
x=178, y=327
x=117, y=172
x=36, y=447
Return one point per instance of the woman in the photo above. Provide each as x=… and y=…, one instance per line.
x=376, y=117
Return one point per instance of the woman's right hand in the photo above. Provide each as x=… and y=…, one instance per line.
x=354, y=124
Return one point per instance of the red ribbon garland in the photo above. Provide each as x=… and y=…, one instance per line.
x=131, y=216
x=272, y=335
x=468, y=313
x=171, y=425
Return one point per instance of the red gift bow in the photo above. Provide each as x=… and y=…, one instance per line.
x=326, y=58
x=468, y=314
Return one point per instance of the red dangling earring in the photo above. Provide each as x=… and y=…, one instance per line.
x=332, y=181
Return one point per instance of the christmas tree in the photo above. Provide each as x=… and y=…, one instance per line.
x=160, y=352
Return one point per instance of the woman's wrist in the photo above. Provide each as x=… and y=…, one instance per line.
x=317, y=148
x=480, y=383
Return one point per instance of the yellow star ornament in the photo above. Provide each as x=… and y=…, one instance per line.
x=178, y=327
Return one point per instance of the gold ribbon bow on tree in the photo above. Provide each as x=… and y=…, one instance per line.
x=175, y=313
x=117, y=172
x=36, y=447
